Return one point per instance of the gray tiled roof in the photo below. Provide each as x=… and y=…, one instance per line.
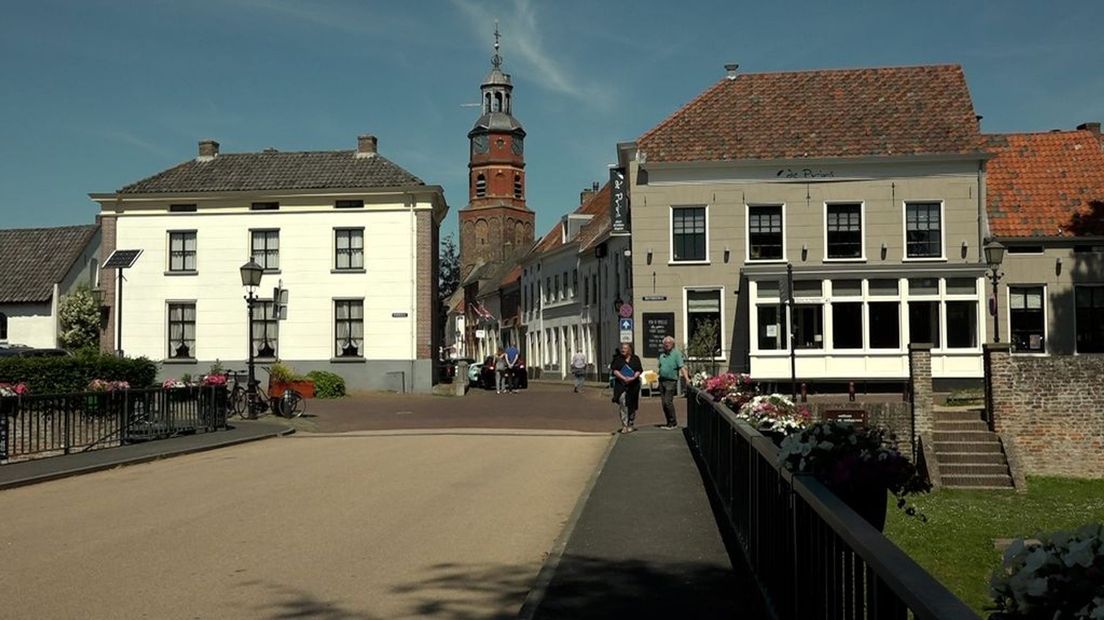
x=276, y=171
x=32, y=260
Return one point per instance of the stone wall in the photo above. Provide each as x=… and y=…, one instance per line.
x=896, y=417
x=1052, y=407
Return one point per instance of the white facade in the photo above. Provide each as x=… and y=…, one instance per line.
x=32, y=325
x=306, y=230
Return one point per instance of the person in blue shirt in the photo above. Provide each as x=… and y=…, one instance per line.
x=511, y=368
x=626, y=369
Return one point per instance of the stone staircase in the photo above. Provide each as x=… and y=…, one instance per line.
x=970, y=455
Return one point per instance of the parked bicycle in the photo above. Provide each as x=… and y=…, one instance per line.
x=252, y=402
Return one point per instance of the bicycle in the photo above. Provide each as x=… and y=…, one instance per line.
x=252, y=402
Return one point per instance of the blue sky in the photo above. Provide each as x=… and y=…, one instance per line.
x=98, y=93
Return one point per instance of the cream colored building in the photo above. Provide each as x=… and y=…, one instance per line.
x=351, y=236
x=869, y=183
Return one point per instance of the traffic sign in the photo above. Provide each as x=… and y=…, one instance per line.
x=626, y=336
x=625, y=310
x=625, y=325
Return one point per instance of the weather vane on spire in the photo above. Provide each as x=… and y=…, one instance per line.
x=496, y=60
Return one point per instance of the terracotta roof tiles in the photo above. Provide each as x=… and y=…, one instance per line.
x=821, y=114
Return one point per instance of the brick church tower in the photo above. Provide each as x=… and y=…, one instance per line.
x=496, y=224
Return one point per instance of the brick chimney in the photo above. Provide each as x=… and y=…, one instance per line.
x=1093, y=127
x=208, y=150
x=588, y=193
x=366, y=146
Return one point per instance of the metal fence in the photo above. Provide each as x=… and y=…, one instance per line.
x=812, y=555
x=54, y=424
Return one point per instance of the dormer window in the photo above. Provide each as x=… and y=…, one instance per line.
x=480, y=186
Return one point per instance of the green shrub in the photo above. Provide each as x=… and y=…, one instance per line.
x=53, y=375
x=327, y=384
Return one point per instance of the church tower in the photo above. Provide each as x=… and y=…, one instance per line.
x=496, y=223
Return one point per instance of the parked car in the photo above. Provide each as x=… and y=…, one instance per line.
x=483, y=374
x=448, y=368
x=22, y=351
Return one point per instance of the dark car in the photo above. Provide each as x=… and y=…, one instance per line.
x=21, y=351
x=447, y=368
x=487, y=374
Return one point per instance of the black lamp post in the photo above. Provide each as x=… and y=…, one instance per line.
x=994, y=254
x=251, y=278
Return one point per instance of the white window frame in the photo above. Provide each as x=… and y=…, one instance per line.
x=686, y=317
x=747, y=234
x=671, y=235
x=942, y=232
x=824, y=222
x=982, y=304
x=1046, y=316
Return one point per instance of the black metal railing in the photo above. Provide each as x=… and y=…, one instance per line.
x=812, y=555
x=54, y=424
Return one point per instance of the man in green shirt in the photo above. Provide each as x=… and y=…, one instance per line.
x=671, y=367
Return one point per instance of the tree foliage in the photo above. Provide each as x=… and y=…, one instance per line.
x=703, y=344
x=448, y=278
x=80, y=320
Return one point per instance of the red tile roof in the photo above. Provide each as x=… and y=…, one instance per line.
x=596, y=205
x=1046, y=184
x=594, y=231
x=822, y=113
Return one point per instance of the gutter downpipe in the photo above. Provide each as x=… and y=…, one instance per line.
x=413, y=289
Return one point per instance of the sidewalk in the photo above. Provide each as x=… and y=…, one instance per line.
x=51, y=468
x=646, y=544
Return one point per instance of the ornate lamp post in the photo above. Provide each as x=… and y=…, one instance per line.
x=251, y=278
x=994, y=254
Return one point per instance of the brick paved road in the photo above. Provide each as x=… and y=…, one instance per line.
x=543, y=406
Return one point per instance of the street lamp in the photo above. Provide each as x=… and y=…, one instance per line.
x=251, y=278
x=994, y=254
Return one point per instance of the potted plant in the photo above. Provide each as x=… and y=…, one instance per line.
x=774, y=415
x=732, y=389
x=283, y=377
x=9, y=396
x=858, y=464
x=1060, y=576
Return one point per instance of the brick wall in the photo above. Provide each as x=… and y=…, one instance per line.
x=426, y=281
x=107, y=283
x=1052, y=407
x=896, y=417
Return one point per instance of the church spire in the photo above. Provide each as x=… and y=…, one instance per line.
x=496, y=60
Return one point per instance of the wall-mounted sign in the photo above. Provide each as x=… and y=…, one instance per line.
x=480, y=334
x=654, y=298
x=657, y=326
x=619, y=202
x=399, y=315
x=626, y=336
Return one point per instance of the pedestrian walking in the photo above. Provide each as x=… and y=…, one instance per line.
x=672, y=367
x=578, y=368
x=512, y=369
x=500, y=371
x=626, y=368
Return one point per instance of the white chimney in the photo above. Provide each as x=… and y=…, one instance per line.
x=208, y=150
x=366, y=146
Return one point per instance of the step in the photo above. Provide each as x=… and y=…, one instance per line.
x=955, y=414
x=971, y=458
x=961, y=425
x=972, y=469
x=976, y=436
x=979, y=487
x=976, y=480
x=988, y=447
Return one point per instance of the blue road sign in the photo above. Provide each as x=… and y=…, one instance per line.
x=626, y=325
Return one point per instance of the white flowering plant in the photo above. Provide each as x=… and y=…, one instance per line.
x=1062, y=576
x=774, y=413
x=850, y=458
x=698, y=379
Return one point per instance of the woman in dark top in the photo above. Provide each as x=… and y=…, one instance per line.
x=626, y=369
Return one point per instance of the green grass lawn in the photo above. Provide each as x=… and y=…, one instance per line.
x=956, y=543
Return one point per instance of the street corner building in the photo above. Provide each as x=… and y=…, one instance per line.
x=350, y=236
x=869, y=183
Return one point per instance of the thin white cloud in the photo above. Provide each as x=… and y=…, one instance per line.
x=124, y=136
x=522, y=40
x=328, y=15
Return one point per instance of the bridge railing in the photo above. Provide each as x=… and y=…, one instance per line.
x=813, y=556
x=47, y=425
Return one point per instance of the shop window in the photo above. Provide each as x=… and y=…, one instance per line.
x=885, y=325
x=962, y=325
x=809, y=326
x=1090, y=319
x=961, y=286
x=847, y=327
x=772, y=335
x=1026, y=319
x=844, y=231
x=923, y=286
x=765, y=235
x=703, y=308
x=847, y=288
x=924, y=322
x=882, y=288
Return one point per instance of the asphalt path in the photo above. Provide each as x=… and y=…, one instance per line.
x=394, y=524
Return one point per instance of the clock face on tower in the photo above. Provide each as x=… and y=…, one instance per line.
x=479, y=145
x=517, y=146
